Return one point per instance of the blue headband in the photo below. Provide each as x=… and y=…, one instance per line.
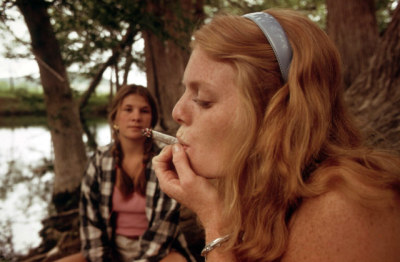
x=277, y=39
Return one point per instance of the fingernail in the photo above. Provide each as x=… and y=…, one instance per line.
x=176, y=148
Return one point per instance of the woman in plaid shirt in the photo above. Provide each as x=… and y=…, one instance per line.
x=124, y=214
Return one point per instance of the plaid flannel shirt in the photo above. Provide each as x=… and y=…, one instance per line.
x=97, y=227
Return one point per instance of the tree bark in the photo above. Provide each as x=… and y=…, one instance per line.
x=374, y=96
x=166, y=57
x=62, y=113
x=165, y=62
x=128, y=63
x=353, y=28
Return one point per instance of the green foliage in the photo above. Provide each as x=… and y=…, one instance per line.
x=89, y=30
x=4, y=89
x=24, y=100
x=97, y=106
x=384, y=12
x=314, y=9
x=20, y=101
x=33, y=100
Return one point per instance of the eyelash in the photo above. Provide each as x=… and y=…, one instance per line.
x=202, y=103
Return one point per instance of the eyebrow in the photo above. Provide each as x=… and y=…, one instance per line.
x=130, y=105
x=195, y=85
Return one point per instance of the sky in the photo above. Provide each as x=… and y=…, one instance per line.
x=22, y=67
x=15, y=67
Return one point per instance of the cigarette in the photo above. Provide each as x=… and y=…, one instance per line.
x=158, y=136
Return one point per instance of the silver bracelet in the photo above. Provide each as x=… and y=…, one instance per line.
x=213, y=244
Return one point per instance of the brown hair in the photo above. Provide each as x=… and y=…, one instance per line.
x=127, y=185
x=295, y=130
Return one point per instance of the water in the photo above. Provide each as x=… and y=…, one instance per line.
x=26, y=184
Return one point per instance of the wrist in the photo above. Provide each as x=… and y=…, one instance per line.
x=210, y=246
x=213, y=229
x=211, y=220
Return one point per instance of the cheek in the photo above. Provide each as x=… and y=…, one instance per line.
x=205, y=163
x=147, y=119
x=224, y=130
x=214, y=150
x=230, y=136
x=119, y=118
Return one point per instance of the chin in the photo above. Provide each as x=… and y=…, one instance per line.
x=208, y=175
x=202, y=169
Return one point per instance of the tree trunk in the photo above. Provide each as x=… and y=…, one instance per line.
x=374, y=96
x=353, y=28
x=128, y=64
x=62, y=113
x=165, y=64
x=166, y=57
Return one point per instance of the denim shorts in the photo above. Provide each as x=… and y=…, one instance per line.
x=127, y=247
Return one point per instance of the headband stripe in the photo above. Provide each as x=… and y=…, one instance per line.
x=276, y=37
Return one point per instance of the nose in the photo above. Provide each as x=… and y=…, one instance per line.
x=136, y=116
x=178, y=113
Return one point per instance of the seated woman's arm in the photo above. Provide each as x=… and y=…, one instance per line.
x=93, y=229
x=163, y=229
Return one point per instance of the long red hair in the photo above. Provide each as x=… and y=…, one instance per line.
x=299, y=137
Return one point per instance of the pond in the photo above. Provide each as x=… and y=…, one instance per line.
x=26, y=182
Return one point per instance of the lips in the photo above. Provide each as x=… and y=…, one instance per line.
x=180, y=136
x=184, y=145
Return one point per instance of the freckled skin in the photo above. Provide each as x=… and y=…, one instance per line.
x=333, y=227
x=205, y=113
x=208, y=115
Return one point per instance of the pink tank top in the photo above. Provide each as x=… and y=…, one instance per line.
x=131, y=216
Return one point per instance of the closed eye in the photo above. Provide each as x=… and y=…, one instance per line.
x=202, y=103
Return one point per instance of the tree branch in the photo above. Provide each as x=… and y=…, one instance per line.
x=126, y=41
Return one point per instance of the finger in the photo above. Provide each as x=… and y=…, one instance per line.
x=162, y=163
x=181, y=163
x=197, y=193
x=165, y=155
x=166, y=175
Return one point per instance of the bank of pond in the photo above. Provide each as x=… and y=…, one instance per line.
x=26, y=178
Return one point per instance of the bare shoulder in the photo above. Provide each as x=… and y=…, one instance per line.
x=334, y=227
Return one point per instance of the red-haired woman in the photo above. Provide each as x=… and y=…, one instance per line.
x=263, y=115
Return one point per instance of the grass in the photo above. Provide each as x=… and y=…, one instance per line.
x=24, y=101
x=23, y=121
